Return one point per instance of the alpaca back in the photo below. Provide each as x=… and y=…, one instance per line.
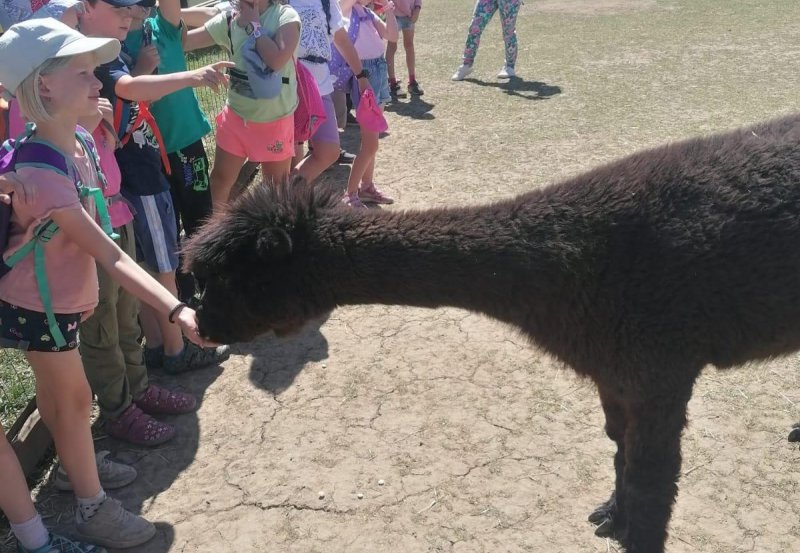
x=693, y=246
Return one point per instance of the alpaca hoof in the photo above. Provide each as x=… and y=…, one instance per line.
x=605, y=529
x=605, y=511
x=794, y=435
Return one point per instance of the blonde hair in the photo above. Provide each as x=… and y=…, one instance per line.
x=30, y=101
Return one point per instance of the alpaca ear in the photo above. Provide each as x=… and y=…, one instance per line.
x=275, y=243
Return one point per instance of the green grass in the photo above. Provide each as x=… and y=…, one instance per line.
x=17, y=386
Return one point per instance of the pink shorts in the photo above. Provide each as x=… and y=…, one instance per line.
x=259, y=142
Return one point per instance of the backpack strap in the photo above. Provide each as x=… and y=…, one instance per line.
x=41, y=236
x=122, y=113
x=229, y=18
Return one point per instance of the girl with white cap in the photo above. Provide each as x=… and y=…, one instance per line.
x=49, y=67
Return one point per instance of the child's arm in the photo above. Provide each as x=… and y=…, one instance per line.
x=197, y=16
x=81, y=229
x=171, y=11
x=345, y=46
x=415, y=10
x=389, y=30
x=151, y=87
x=347, y=6
x=275, y=53
x=198, y=38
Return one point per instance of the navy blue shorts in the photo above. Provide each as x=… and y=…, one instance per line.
x=27, y=330
x=156, y=231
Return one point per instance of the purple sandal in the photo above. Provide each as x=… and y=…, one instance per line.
x=137, y=427
x=159, y=401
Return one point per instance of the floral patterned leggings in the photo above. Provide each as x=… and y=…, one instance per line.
x=484, y=10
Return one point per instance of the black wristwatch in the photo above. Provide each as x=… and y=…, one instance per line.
x=363, y=75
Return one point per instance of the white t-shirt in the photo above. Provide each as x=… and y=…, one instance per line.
x=315, y=40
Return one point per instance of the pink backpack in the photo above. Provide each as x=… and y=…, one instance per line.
x=310, y=112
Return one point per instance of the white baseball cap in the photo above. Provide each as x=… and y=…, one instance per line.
x=27, y=45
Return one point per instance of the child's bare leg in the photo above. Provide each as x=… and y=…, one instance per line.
x=324, y=155
x=64, y=400
x=408, y=46
x=364, y=160
x=223, y=176
x=15, y=501
x=276, y=172
x=369, y=174
x=391, y=50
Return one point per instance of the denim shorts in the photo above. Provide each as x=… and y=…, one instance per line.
x=156, y=231
x=28, y=330
x=404, y=23
x=378, y=78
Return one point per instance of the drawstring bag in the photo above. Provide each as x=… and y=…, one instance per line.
x=369, y=114
x=310, y=112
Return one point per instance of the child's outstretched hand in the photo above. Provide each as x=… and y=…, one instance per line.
x=212, y=76
x=187, y=320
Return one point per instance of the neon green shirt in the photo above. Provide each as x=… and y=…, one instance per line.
x=260, y=110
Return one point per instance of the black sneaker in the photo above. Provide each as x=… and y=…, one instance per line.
x=396, y=90
x=414, y=89
x=351, y=119
x=345, y=156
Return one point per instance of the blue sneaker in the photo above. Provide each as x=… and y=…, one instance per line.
x=60, y=544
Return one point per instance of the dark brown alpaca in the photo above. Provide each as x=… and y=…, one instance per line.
x=637, y=274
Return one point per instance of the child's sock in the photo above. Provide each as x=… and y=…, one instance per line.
x=412, y=78
x=88, y=506
x=31, y=534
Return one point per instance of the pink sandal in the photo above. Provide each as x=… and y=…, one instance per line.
x=159, y=401
x=139, y=428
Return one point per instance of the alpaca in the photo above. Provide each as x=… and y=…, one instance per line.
x=637, y=274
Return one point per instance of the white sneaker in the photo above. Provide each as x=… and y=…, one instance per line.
x=506, y=73
x=462, y=72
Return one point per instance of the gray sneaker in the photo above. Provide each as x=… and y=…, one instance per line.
x=112, y=526
x=112, y=475
x=194, y=357
x=60, y=544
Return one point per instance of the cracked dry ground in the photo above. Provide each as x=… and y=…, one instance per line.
x=458, y=437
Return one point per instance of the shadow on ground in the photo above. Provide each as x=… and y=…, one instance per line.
x=157, y=467
x=517, y=86
x=415, y=108
x=278, y=361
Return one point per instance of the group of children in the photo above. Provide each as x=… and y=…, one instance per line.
x=103, y=88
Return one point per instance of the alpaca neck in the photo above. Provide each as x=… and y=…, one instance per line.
x=468, y=258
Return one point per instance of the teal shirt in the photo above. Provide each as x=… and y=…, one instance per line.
x=179, y=117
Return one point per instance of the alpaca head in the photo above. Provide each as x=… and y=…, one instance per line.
x=246, y=259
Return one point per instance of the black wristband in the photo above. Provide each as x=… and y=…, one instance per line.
x=363, y=75
x=175, y=310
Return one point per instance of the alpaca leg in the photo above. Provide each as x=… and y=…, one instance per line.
x=652, y=469
x=609, y=517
